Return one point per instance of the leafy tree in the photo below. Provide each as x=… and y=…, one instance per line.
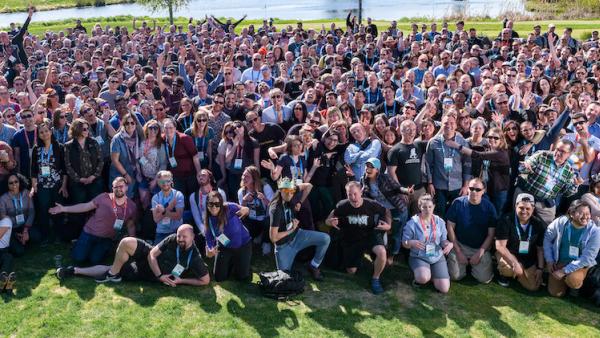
x=156, y=5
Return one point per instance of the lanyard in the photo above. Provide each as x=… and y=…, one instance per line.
x=172, y=147
x=46, y=159
x=189, y=258
x=362, y=83
x=385, y=108
x=20, y=207
x=376, y=97
x=528, y=229
x=114, y=205
x=451, y=151
x=169, y=198
x=238, y=152
x=186, y=122
x=62, y=135
x=287, y=214
x=200, y=144
x=569, y=226
x=431, y=234
x=299, y=169
x=27, y=138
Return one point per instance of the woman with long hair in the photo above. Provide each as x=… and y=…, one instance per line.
x=256, y=196
x=60, y=126
x=203, y=136
x=227, y=239
x=152, y=159
x=241, y=152
x=185, y=118
x=125, y=153
x=18, y=206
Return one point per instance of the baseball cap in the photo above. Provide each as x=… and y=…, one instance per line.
x=374, y=161
x=525, y=197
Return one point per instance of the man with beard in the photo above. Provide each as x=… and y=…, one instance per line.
x=113, y=212
x=174, y=261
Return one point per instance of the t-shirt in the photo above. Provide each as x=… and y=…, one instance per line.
x=566, y=242
x=25, y=144
x=281, y=215
x=173, y=224
x=185, y=150
x=507, y=230
x=357, y=224
x=292, y=169
x=271, y=136
x=407, y=158
x=167, y=259
x=472, y=221
x=102, y=222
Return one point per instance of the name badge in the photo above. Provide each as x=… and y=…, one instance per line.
x=201, y=155
x=143, y=161
x=20, y=219
x=223, y=239
x=45, y=171
x=523, y=247
x=165, y=220
x=448, y=163
x=573, y=252
x=298, y=181
x=237, y=164
x=430, y=250
x=99, y=139
x=177, y=270
x=172, y=162
x=118, y=224
x=289, y=226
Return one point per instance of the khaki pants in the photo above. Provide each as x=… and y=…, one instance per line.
x=483, y=271
x=527, y=279
x=573, y=280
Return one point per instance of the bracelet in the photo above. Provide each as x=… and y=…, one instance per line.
x=158, y=277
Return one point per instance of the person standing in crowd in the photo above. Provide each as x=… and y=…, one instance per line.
x=471, y=228
x=519, y=245
x=256, y=196
x=571, y=245
x=241, y=152
x=152, y=159
x=125, y=153
x=203, y=136
x=361, y=150
x=206, y=183
x=362, y=224
x=426, y=236
x=285, y=233
x=227, y=239
x=114, y=213
x=167, y=206
x=23, y=142
x=448, y=171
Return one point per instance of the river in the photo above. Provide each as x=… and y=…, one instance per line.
x=306, y=9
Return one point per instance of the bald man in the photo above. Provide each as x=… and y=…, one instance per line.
x=174, y=261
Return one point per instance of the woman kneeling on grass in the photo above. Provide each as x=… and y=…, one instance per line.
x=425, y=236
x=227, y=238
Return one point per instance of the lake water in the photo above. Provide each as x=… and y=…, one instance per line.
x=305, y=9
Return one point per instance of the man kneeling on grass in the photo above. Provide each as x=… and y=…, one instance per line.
x=174, y=261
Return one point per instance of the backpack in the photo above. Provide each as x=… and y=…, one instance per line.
x=280, y=285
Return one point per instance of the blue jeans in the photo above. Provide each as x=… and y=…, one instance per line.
x=398, y=222
x=443, y=199
x=285, y=253
x=91, y=248
x=499, y=200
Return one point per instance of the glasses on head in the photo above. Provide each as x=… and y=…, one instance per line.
x=213, y=204
x=475, y=189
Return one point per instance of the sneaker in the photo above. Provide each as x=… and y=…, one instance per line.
x=415, y=284
x=10, y=282
x=503, y=281
x=108, y=277
x=376, y=286
x=266, y=249
x=315, y=273
x=62, y=273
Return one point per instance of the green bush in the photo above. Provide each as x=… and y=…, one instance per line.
x=98, y=3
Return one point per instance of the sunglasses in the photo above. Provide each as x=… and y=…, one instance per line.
x=496, y=138
x=164, y=181
x=315, y=122
x=62, y=117
x=8, y=116
x=475, y=189
x=155, y=128
x=24, y=117
x=578, y=123
x=288, y=191
x=213, y=204
x=277, y=96
x=201, y=120
x=130, y=123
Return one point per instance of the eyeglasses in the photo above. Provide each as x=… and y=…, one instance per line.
x=475, y=189
x=213, y=204
x=578, y=123
x=277, y=96
x=153, y=128
x=8, y=116
x=201, y=120
x=297, y=108
x=25, y=117
x=228, y=73
x=511, y=128
x=129, y=123
x=495, y=138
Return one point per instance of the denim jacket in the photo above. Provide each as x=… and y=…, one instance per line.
x=414, y=230
x=590, y=243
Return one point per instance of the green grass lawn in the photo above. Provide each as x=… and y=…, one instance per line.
x=341, y=306
x=7, y=6
x=487, y=27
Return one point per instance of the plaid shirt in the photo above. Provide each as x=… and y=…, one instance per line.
x=547, y=180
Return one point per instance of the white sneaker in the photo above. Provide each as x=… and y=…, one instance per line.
x=266, y=249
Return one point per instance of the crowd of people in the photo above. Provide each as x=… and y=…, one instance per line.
x=171, y=146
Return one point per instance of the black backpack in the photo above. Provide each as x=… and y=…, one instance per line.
x=281, y=285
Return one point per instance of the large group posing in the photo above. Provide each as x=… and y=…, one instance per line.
x=171, y=146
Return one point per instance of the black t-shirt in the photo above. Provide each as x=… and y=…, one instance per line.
x=324, y=174
x=389, y=111
x=292, y=169
x=271, y=136
x=293, y=89
x=168, y=259
x=408, y=159
x=507, y=230
x=357, y=224
x=281, y=215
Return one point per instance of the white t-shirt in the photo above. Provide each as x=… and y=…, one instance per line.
x=5, y=239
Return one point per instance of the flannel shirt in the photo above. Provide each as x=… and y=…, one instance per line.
x=547, y=180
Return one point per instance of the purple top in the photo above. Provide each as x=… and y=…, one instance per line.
x=234, y=229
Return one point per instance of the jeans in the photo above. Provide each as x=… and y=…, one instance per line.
x=398, y=222
x=237, y=260
x=91, y=248
x=285, y=253
x=499, y=200
x=321, y=202
x=187, y=185
x=47, y=198
x=6, y=261
x=16, y=247
x=443, y=199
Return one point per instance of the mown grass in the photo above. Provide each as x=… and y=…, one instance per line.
x=10, y=6
x=488, y=27
x=341, y=306
x=564, y=8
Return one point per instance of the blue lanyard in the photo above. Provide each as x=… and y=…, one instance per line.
x=62, y=136
x=172, y=147
x=444, y=150
x=186, y=122
x=200, y=145
x=20, y=207
x=299, y=172
x=188, y=259
x=517, y=228
x=569, y=226
x=46, y=159
x=376, y=97
x=385, y=107
x=287, y=214
x=169, y=198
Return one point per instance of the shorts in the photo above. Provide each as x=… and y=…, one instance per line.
x=352, y=253
x=439, y=269
x=137, y=267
